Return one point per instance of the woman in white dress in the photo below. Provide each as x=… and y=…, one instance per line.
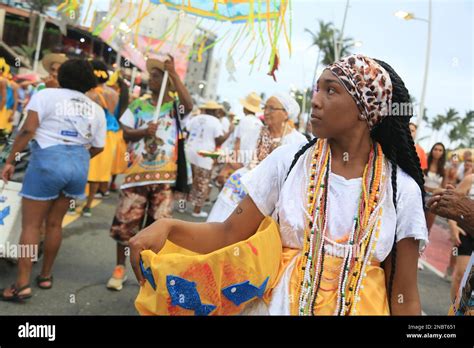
x=358, y=189
x=280, y=112
x=435, y=177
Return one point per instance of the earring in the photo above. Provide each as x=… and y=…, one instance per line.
x=362, y=117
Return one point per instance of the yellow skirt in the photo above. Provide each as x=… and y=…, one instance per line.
x=100, y=167
x=119, y=164
x=373, y=297
x=4, y=123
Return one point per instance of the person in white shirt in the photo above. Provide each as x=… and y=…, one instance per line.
x=248, y=130
x=205, y=134
x=66, y=128
x=281, y=111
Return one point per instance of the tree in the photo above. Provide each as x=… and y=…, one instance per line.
x=463, y=131
x=325, y=39
x=458, y=130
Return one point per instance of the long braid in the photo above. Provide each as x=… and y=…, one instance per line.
x=300, y=153
x=394, y=136
x=393, y=161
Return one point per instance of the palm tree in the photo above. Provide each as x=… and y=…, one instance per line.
x=463, y=131
x=450, y=119
x=324, y=39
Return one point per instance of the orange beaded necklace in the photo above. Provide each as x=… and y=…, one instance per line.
x=363, y=236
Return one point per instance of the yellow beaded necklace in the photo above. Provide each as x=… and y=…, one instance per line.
x=365, y=231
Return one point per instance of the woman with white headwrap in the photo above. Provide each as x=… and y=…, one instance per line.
x=281, y=112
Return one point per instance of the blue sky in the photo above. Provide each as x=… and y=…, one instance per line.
x=400, y=43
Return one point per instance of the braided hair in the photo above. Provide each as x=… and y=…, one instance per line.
x=393, y=134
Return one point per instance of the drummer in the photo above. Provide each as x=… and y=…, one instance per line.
x=205, y=134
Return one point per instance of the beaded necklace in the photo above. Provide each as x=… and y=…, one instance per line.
x=363, y=236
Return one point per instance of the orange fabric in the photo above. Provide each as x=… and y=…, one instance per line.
x=119, y=164
x=422, y=155
x=100, y=166
x=373, y=298
x=119, y=272
x=286, y=257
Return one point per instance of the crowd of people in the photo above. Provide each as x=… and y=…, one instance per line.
x=352, y=201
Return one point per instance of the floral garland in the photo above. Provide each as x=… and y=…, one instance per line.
x=363, y=236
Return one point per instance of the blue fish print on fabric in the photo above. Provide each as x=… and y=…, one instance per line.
x=3, y=214
x=242, y=292
x=147, y=273
x=184, y=294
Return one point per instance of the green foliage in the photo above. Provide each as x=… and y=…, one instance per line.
x=325, y=39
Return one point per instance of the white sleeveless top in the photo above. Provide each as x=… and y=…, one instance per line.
x=433, y=180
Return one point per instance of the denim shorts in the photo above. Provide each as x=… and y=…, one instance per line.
x=54, y=170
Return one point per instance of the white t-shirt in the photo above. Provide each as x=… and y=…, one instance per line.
x=67, y=117
x=203, y=131
x=276, y=197
x=248, y=131
x=225, y=124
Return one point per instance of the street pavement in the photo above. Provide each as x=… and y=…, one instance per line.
x=87, y=258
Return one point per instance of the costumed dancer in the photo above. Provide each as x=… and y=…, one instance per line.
x=349, y=207
x=146, y=192
x=100, y=169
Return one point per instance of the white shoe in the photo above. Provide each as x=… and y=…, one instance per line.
x=420, y=265
x=202, y=214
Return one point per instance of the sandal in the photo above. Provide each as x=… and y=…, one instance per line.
x=40, y=280
x=15, y=297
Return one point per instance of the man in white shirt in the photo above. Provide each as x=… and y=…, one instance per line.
x=248, y=130
x=205, y=134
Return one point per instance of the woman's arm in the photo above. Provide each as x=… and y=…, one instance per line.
x=94, y=151
x=445, y=178
x=134, y=135
x=3, y=93
x=465, y=185
x=183, y=94
x=202, y=238
x=26, y=133
x=405, y=298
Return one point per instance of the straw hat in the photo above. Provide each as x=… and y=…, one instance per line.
x=52, y=58
x=252, y=102
x=210, y=105
x=152, y=63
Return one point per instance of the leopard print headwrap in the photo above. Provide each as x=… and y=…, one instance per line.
x=369, y=85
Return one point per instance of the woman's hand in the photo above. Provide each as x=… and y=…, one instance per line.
x=7, y=172
x=455, y=232
x=151, y=238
